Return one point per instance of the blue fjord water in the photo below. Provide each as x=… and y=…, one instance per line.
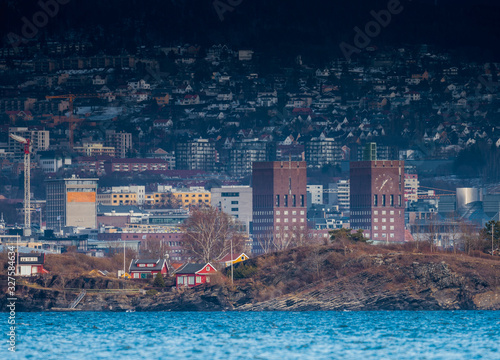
x=256, y=335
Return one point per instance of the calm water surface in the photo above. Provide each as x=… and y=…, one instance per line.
x=256, y=335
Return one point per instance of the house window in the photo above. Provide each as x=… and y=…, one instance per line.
x=198, y=279
x=190, y=280
x=277, y=201
x=374, y=200
x=301, y=200
x=383, y=200
x=208, y=279
x=285, y=202
x=399, y=200
x=391, y=200
x=294, y=200
x=180, y=280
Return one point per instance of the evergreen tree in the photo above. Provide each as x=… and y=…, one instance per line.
x=159, y=282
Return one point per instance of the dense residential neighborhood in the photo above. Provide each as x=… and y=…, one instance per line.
x=123, y=148
x=279, y=179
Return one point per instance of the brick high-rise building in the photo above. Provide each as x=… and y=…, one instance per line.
x=377, y=199
x=279, y=202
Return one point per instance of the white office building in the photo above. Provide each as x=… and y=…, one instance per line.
x=235, y=201
x=316, y=192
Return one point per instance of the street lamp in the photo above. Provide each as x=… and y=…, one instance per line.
x=492, y=233
x=231, y=258
x=123, y=257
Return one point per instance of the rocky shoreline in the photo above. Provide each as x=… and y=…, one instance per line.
x=368, y=282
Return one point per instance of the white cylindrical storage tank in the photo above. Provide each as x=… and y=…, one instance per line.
x=466, y=196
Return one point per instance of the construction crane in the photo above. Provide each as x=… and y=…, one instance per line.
x=27, y=177
x=431, y=193
x=452, y=192
x=71, y=98
x=71, y=120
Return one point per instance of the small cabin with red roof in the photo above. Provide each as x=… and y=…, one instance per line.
x=147, y=268
x=190, y=275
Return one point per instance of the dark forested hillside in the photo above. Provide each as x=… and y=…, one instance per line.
x=315, y=27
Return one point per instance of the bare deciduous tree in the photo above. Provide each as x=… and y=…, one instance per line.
x=454, y=230
x=208, y=233
x=283, y=239
x=302, y=237
x=265, y=242
x=154, y=249
x=470, y=236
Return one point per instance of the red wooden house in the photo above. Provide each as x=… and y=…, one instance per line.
x=147, y=268
x=189, y=275
x=31, y=264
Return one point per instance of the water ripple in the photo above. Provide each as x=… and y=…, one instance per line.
x=258, y=335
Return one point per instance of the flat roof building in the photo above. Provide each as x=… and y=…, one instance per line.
x=71, y=202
